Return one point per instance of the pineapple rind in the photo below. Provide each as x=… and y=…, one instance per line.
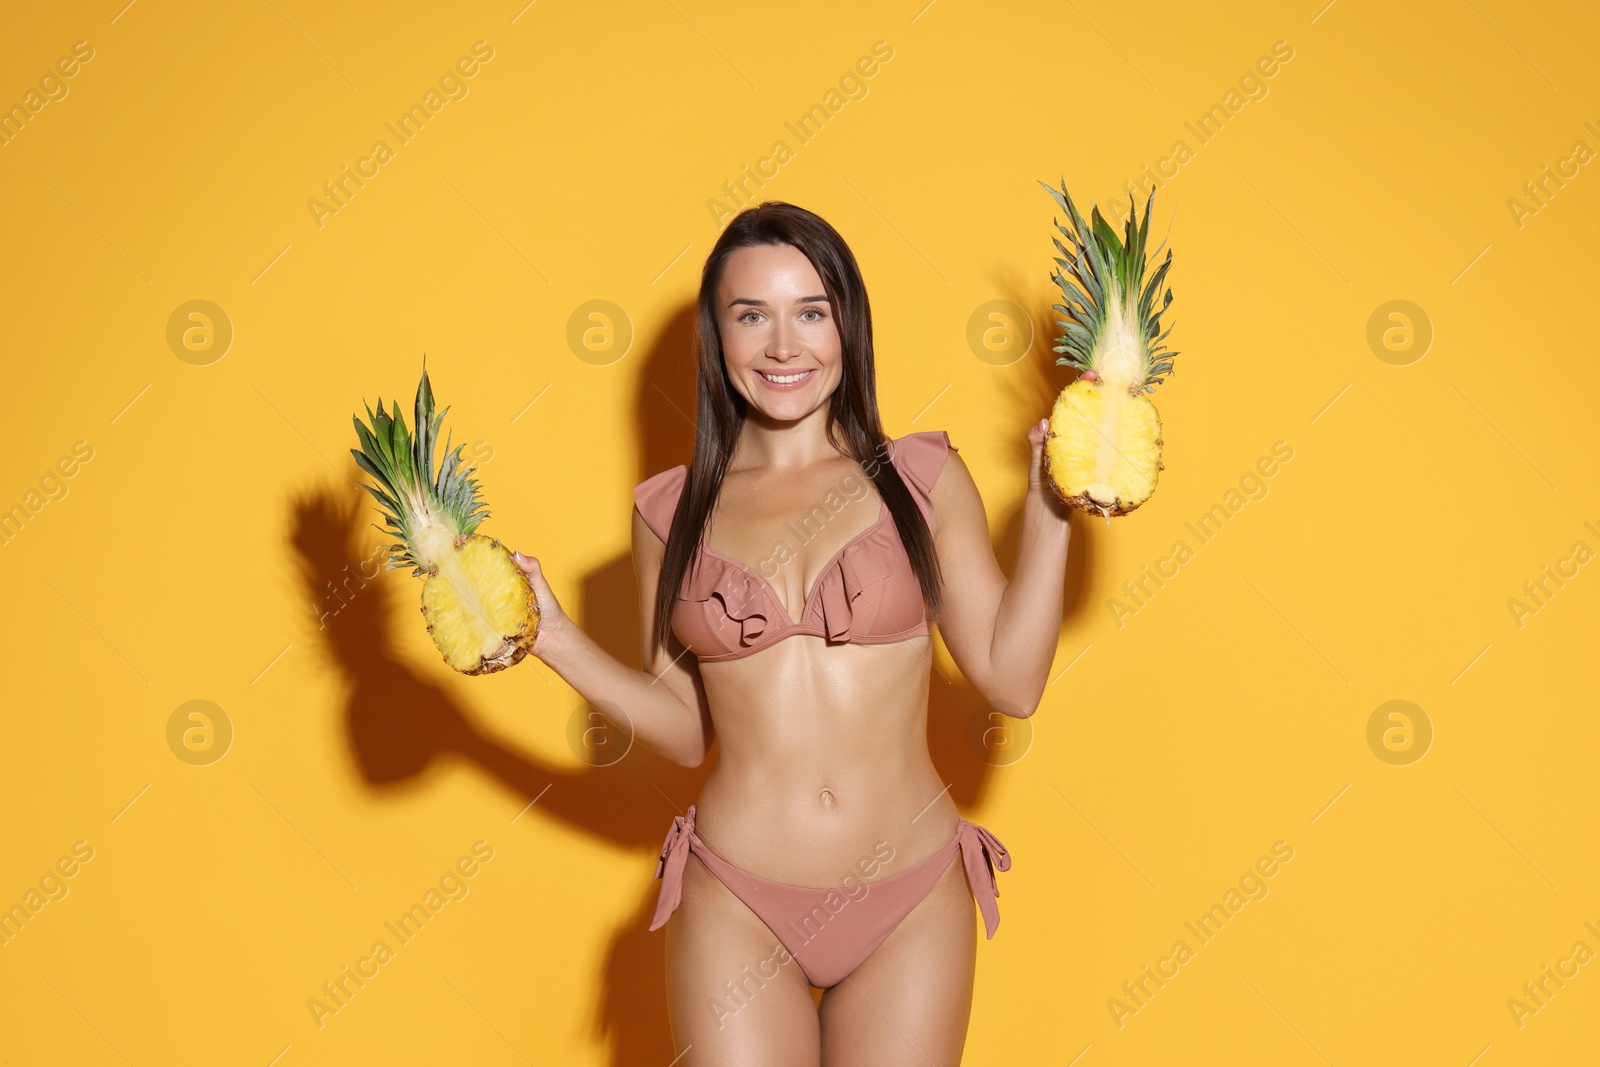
x=1102, y=449
x=480, y=607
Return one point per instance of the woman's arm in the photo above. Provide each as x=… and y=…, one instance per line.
x=1002, y=634
x=665, y=703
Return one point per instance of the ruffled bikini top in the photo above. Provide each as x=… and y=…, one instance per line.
x=867, y=593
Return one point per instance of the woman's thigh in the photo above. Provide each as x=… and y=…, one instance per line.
x=733, y=995
x=909, y=1002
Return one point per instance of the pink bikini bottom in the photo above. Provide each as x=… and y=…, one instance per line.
x=831, y=930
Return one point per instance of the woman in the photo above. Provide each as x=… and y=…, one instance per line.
x=824, y=849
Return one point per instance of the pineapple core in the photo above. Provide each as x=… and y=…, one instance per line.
x=476, y=603
x=1105, y=444
x=1119, y=354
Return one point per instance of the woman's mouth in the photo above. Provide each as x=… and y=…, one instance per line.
x=791, y=380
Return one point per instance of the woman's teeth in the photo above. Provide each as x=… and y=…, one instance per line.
x=784, y=379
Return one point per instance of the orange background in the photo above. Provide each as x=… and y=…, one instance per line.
x=189, y=557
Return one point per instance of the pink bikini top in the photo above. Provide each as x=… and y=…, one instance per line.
x=867, y=594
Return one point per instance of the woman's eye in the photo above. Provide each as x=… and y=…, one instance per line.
x=817, y=312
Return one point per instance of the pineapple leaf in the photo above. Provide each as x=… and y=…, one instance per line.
x=380, y=434
x=1153, y=287
x=1144, y=227
x=414, y=497
x=1104, y=270
x=423, y=415
x=367, y=465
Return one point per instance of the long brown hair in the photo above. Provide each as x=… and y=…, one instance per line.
x=853, y=421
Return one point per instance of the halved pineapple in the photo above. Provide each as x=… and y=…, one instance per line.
x=480, y=608
x=1102, y=450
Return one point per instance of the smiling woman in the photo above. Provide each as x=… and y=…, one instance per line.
x=783, y=350
x=812, y=676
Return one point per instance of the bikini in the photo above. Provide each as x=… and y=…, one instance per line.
x=867, y=594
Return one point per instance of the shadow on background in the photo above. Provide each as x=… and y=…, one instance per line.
x=400, y=725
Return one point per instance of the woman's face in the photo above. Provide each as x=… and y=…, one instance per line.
x=776, y=323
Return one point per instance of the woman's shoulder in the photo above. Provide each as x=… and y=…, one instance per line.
x=657, y=498
x=921, y=455
x=662, y=478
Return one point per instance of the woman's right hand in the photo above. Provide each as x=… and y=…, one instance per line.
x=552, y=619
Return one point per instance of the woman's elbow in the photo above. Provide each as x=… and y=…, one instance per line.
x=1024, y=711
x=1012, y=703
x=690, y=752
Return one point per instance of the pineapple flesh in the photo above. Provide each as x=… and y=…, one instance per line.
x=1102, y=450
x=480, y=608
